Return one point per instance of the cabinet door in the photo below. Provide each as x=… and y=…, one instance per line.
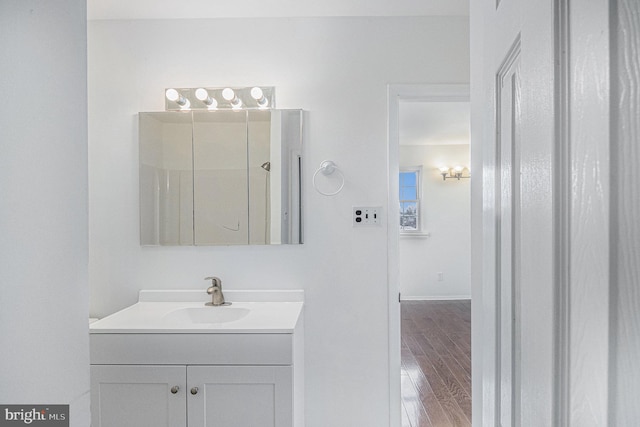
x=240, y=396
x=138, y=396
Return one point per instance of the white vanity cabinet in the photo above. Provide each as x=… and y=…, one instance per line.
x=190, y=396
x=181, y=364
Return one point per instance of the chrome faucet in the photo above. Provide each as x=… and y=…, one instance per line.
x=215, y=290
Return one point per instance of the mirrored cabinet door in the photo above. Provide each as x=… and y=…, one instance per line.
x=220, y=178
x=166, y=179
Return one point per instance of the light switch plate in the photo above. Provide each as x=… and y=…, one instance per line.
x=364, y=216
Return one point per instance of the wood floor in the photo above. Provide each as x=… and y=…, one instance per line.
x=436, y=363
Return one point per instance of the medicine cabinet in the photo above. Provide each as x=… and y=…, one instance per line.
x=220, y=177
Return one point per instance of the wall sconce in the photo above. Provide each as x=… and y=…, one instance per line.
x=456, y=172
x=221, y=98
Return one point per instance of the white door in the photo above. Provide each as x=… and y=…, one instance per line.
x=240, y=396
x=138, y=396
x=517, y=240
x=540, y=230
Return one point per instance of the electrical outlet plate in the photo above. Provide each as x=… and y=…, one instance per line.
x=364, y=216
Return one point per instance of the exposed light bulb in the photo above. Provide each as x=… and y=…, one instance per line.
x=228, y=94
x=172, y=95
x=256, y=93
x=202, y=94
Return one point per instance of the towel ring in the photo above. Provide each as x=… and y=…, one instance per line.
x=328, y=167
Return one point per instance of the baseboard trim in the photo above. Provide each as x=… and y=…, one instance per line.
x=436, y=298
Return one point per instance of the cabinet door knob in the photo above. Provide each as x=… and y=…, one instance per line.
x=175, y=389
x=194, y=390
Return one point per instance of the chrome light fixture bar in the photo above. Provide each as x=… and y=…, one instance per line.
x=456, y=172
x=220, y=98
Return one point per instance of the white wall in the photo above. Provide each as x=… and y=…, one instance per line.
x=44, y=339
x=338, y=70
x=446, y=216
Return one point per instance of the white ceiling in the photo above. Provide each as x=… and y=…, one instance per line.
x=191, y=9
x=433, y=123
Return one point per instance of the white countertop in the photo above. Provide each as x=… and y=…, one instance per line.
x=275, y=312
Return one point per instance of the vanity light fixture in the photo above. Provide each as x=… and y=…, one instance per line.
x=220, y=98
x=456, y=172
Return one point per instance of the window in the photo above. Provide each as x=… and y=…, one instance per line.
x=410, y=199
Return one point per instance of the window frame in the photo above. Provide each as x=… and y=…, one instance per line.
x=419, y=176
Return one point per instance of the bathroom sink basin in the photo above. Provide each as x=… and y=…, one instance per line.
x=178, y=312
x=211, y=315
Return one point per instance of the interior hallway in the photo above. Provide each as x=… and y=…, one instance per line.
x=436, y=363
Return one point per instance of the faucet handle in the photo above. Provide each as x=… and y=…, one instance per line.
x=215, y=281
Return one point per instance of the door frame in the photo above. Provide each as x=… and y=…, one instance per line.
x=395, y=94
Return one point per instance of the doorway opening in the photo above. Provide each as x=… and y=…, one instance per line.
x=429, y=256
